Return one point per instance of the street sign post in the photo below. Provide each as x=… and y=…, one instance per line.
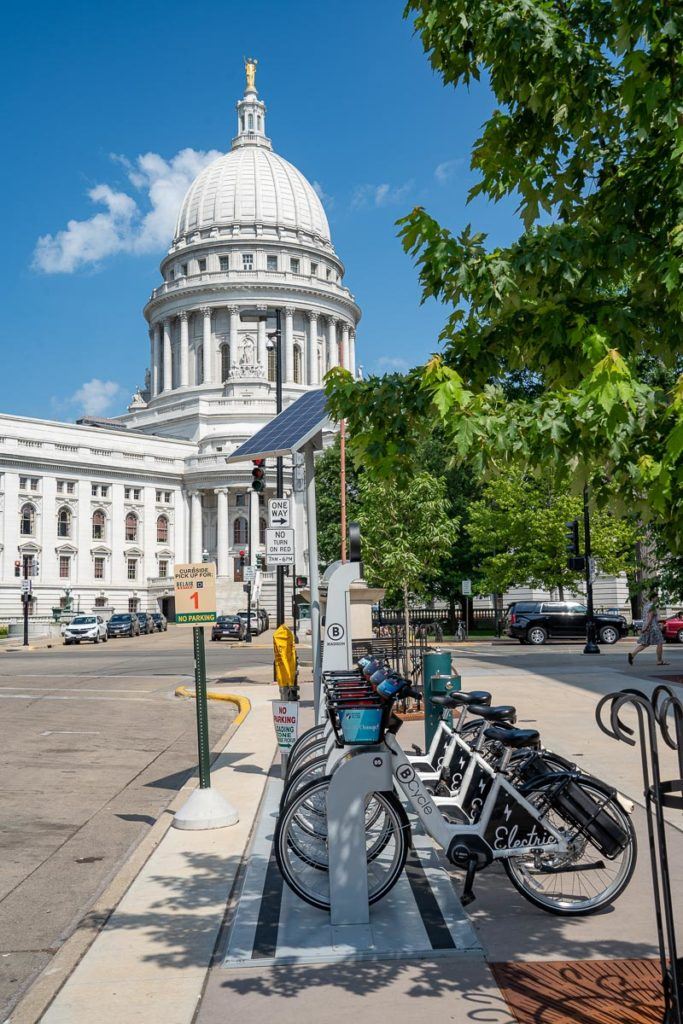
x=195, y=601
x=279, y=513
x=280, y=547
x=467, y=588
x=248, y=573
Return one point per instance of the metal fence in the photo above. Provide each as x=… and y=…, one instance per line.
x=478, y=618
x=391, y=645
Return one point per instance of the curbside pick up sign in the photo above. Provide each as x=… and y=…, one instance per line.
x=195, y=593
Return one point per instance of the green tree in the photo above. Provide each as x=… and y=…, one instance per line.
x=406, y=529
x=588, y=134
x=518, y=536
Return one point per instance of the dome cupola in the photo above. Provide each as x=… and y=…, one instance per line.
x=251, y=113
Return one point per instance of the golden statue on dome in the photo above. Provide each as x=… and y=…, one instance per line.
x=250, y=70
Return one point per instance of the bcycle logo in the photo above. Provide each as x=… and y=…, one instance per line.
x=405, y=773
x=335, y=633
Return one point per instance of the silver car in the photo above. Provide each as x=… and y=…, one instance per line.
x=85, y=627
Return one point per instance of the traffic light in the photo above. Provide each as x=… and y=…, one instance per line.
x=301, y=581
x=260, y=561
x=572, y=535
x=242, y=558
x=258, y=475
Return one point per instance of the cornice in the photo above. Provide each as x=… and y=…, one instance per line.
x=156, y=310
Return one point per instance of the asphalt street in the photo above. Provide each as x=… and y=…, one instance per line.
x=94, y=747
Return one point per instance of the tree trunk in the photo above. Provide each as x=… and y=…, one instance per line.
x=451, y=614
x=560, y=591
x=407, y=666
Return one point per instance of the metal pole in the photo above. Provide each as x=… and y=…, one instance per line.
x=342, y=435
x=24, y=598
x=313, y=572
x=591, y=638
x=279, y=478
x=202, y=707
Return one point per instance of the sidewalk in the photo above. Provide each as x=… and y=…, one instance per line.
x=159, y=957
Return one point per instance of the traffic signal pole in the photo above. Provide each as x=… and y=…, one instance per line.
x=279, y=469
x=25, y=599
x=591, y=632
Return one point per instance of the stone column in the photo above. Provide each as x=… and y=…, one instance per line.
x=313, y=350
x=261, y=350
x=155, y=360
x=222, y=538
x=207, y=347
x=253, y=524
x=332, y=346
x=168, y=358
x=345, y=345
x=184, y=349
x=288, y=351
x=196, y=533
x=352, y=352
x=234, y=324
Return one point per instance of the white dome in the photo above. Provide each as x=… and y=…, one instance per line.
x=252, y=185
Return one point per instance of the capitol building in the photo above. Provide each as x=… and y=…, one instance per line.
x=99, y=511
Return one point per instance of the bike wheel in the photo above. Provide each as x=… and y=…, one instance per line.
x=303, y=774
x=316, y=748
x=583, y=880
x=311, y=822
x=297, y=853
x=314, y=733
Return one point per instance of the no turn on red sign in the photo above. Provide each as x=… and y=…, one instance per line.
x=280, y=547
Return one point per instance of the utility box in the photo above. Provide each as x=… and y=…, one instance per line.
x=439, y=680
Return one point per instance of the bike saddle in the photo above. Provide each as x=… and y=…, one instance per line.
x=458, y=699
x=515, y=738
x=501, y=713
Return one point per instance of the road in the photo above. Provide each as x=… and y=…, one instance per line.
x=94, y=747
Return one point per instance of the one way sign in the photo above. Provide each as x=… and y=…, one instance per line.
x=279, y=513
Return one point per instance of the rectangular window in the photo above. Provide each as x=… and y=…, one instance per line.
x=240, y=500
x=70, y=487
x=329, y=273
x=247, y=261
x=60, y=486
x=201, y=266
x=170, y=275
x=224, y=262
x=100, y=602
x=167, y=497
x=163, y=568
x=294, y=266
x=94, y=489
x=132, y=568
x=136, y=493
x=23, y=483
x=34, y=483
x=64, y=567
x=314, y=269
x=104, y=490
x=183, y=269
x=99, y=567
x=158, y=495
x=133, y=604
x=271, y=262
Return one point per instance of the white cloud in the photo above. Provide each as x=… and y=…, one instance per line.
x=446, y=170
x=95, y=397
x=379, y=195
x=128, y=224
x=322, y=195
x=392, y=363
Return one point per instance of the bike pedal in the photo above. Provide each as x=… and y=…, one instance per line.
x=416, y=749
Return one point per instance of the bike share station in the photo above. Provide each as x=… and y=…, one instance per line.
x=421, y=916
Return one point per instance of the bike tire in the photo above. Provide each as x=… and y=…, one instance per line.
x=568, y=905
x=305, y=738
x=311, y=884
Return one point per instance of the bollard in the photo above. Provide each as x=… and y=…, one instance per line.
x=438, y=680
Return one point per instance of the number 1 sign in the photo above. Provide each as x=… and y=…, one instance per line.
x=195, y=593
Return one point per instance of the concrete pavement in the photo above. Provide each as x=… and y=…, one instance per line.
x=150, y=962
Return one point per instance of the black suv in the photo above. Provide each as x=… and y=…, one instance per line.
x=534, y=622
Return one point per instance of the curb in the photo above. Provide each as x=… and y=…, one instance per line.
x=42, y=991
x=243, y=703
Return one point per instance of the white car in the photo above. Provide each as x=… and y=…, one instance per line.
x=85, y=627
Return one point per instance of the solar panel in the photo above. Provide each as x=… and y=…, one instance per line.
x=289, y=431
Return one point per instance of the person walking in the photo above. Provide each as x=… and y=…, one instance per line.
x=651, y=634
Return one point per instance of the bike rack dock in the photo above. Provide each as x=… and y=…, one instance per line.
x=421, y=918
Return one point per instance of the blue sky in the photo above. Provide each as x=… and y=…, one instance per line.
x=91, y=88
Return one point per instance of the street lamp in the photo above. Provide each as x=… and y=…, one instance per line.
x=273, y=342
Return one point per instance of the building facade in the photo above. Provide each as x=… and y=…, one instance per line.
x=99, y=511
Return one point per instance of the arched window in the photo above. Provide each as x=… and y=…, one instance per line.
x=298, y=377
x=162, y=530
x=251, y=122
x=27, y=520
x=131, y=526
x=262, y=531
x=99, y=521
x=271, y=363
x=240, y=531
x=225, y=362
x=258, y=121
x=64, y=522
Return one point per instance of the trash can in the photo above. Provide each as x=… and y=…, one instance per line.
x=439, y=679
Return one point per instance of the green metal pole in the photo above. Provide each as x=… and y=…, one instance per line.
x=202, y=707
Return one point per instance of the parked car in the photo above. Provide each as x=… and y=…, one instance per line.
x=123, y=624
x=534, y=622
x=264, y=618
x=672, y=628
x=257, y=620
x=229, y=627
x=146, y=623
x=85, y=627
x=160, y=622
